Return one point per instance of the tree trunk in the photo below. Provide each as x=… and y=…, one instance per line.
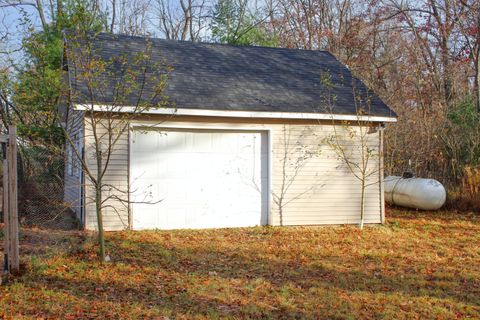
x=59, y=11
x=99, y=205
x=187, y=20
x=477, y=81
x=362, y=205
x=41, y=14
x=114, y=12
x=477, y=58
x=101, y=235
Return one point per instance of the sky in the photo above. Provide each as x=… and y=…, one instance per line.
x=14, y=21
x=12, y=28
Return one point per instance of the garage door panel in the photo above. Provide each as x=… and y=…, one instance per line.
x=144, y=139
x=205, y=178
x=176, y=167
x=173, y=217
x=148, y=191
x=146, y=216
x=202, y=142
x=146, y=164
x=225, y=142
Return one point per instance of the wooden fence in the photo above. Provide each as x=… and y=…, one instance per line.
x=10, y=204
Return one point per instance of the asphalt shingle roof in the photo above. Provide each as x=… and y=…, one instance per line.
x=241, y=78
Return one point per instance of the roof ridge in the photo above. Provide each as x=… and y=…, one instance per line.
x=188, y=42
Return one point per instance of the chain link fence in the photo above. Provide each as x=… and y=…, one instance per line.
x=45, y=219
x=41, y=190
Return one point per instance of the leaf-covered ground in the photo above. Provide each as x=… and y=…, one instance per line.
x=418, y=265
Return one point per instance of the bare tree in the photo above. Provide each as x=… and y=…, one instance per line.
x=357, y=147
x=312, y=24
x=169, y=22
x=116, y=91
x=181, y=19
x=468, y=15
x=354, y=142
x=432, y=24
x=129, y=17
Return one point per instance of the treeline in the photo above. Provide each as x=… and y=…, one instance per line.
x=421, y=57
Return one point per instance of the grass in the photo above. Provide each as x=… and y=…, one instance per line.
x=418, y=265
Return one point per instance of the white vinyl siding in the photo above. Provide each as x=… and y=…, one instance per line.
x=309, y=186
x=115, y=180
x=70, y=158
x=73, y=163
x=73, y=181
x=318, y=187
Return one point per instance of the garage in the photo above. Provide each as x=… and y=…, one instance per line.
x=236, y=137
x=198, y=178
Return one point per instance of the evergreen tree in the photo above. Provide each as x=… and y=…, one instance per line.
x=233, y=24
x=40, y=86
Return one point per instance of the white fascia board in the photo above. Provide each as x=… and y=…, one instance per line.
x=237, y=114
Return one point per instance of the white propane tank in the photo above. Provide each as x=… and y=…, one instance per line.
x=417, y=193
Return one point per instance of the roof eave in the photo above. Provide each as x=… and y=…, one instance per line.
x=237, y=114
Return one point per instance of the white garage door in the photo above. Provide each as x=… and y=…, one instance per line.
x=198, y=179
